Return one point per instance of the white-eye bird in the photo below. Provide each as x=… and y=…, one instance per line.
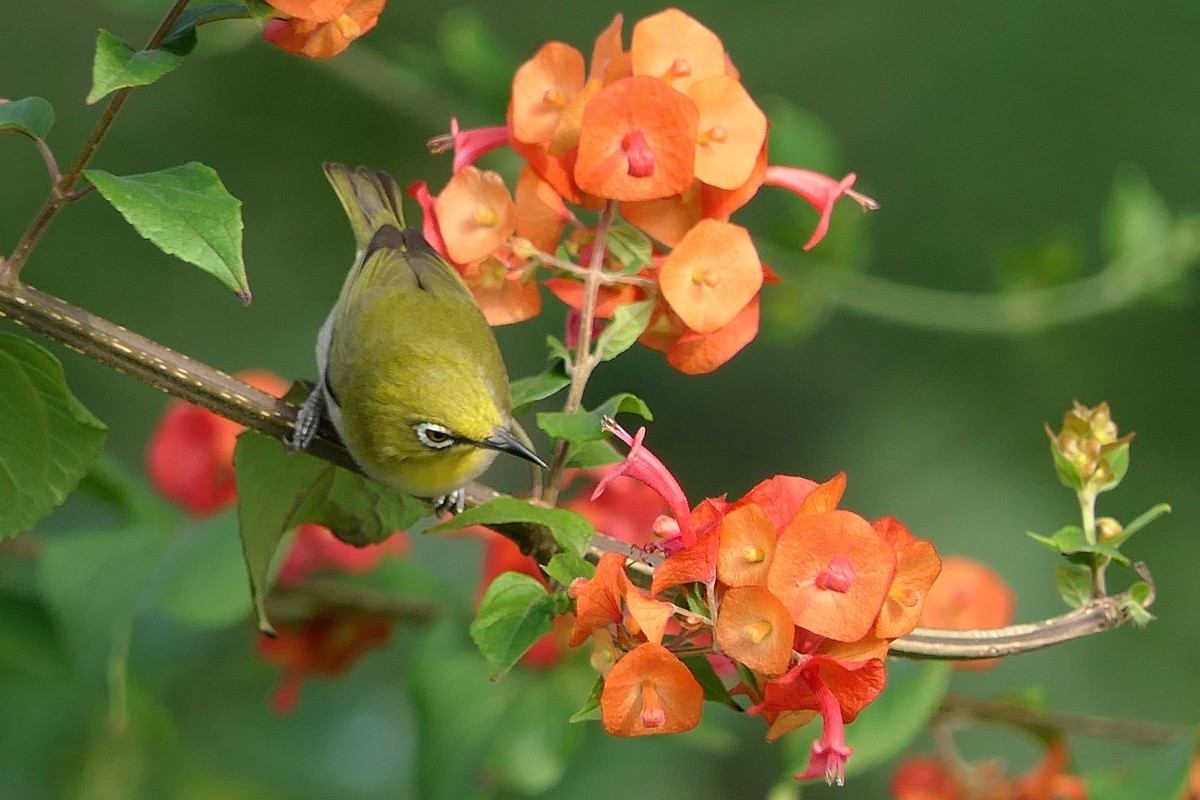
x=410, y=373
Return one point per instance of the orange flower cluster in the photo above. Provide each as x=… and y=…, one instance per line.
x=189, y=460
x=929, y=778
x=665, y=134
x=320, y=28
x=803, y=595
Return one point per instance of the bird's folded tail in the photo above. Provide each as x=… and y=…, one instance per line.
x=371, y=199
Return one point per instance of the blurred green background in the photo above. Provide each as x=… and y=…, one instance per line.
x=991, y=134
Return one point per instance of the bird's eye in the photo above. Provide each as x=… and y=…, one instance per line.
x=434, y=436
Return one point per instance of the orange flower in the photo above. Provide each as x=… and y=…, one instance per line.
x=721, y=203
x=637, y=141
x=695, y=563
x=747, y=544
x=732, y=132
x=754, y=628
x=669, y=219
x=311, y=10
x=650, y=691
x=541, y=89
x=475, y=214
x=968, y=595
x=609, y=62
x=502, y=294
x=541, y=214
x=698, y=354
x=189, y=458
x=832, y=571
x=598, y=601
x=917, y=566
x=322, y=38
x=824, y=497
x=924, y=777
x=780, y=497
x=711, y=275
x=676, y=49
x=608, y=299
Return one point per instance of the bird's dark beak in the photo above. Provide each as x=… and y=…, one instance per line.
x=505, y=442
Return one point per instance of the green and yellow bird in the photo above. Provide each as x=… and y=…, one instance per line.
x=410, y=373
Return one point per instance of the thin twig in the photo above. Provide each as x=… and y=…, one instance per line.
x=1050, y=723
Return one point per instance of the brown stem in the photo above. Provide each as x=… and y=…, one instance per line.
x=1050, y=724
x=61, y=192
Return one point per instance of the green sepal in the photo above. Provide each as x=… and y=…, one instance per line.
x=1068, y=472
x=278, y=491
x=1140, y=522
x=586, y=426
x=629, y=246
x=589, y=455
x=32, y=116
x=186, y=212
x=1070, y=541
x=714, y=688
x=527, y=391
x=118, y=66
x=591, y=706
x=49, y=440
x=516, y=611
x=1074, y=584
x=558, y=352
x=1117, y=459
x=1140, y=593
x=628, y=323
x=571, y=531
x=566, y=567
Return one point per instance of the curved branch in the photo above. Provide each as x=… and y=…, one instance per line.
x=209, y=388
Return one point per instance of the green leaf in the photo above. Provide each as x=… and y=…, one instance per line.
x=628, y=323
x=714, y=688
x=591, y=706
x=1159, y=775
x=50, y=439
x=571, y=531
x=589, y=455
x=515, y=612
x=585, y=426
x=117, y=66
x=1074, y=584
x=31, y=116
x=1070, y=540
x=1137, y=220
x=566, y=567
x=202, y=579
x=278, y=491
x=557, y=352
x=94, y=581
x=186, y=212
x=885, y=728
x=1142, y=520
x=182, y=38
x=629, y=246
x=527, y=391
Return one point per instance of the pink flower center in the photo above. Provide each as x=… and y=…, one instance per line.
x=838, y=575
x=653, y=715
x=640, y=156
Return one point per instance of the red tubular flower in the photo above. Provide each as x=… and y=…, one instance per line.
x=503, y=555
x=316, y=549
x=821, y=192
x=468, y=146
x=430, y=229
x=644, y=466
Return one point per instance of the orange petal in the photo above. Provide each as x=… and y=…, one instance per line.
x=696, y=563
x=732, y=131
x=721, y=203
x=832, y=571
x=787, y=721
x=747, y=543
x=542, y=87
x=854, y=684
x=917, y=567
x=698, y=354
x=503, y=297
x=669, y=219
x=598, y=604
x=610, y=62
x=780, y=497
x=637, y=141
x=754, y=627
x=475, y=214
x=650, y=616
x=664, y=329
x=311, y=10
x=711, y=275
x=673, y=47
x=650, y=691
x=825, y=497
x=541, y=214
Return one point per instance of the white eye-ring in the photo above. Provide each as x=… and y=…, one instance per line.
x=434, y=436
